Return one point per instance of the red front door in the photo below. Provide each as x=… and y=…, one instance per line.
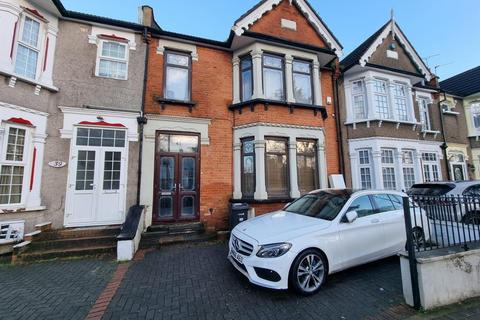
x=176, y=178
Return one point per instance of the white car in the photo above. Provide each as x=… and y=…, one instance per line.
x=320, y=233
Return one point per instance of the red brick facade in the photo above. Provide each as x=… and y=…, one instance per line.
x=212, y=91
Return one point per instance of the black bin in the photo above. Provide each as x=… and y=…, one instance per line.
x=238, y=213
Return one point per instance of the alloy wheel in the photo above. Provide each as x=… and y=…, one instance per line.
x=310, y=272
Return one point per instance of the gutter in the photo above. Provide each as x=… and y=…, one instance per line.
x=444, y=146
x=142, y=120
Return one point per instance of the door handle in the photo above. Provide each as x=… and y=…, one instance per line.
x=375, y=221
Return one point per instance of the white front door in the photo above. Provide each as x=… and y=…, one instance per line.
x=96, y=180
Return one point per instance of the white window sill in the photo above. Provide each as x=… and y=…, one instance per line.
x=433, y=132
x=111, y=78
x=30, y=81
x=454, y=113
x=381, y=121
x=20, y=209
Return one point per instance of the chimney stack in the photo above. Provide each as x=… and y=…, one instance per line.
x=145, y=16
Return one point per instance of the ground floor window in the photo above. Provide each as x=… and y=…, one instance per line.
x=388, y=169
x=248, y=167
x=365, y=169
x=276, y=163
x=430, y=167
x=307, y=165
x=408, y=165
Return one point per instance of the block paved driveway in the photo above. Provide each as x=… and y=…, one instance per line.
x=197, y=282
x=52, y=290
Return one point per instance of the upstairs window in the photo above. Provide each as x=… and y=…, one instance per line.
x=246, y=79
x=400, y=99
x=475, y=110
x=28, y=48
x=358, y=98
x=302, y=82
x=273, y=77
x=380, y=98
x=113, y=60
x=424, y=114
x=177, y=76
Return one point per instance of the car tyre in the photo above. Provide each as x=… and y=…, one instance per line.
x=308, y=272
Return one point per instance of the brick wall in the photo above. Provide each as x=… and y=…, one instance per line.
x=270, y=24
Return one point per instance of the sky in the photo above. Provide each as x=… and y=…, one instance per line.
x=446, y=32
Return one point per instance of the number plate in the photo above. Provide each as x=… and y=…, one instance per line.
x=235, y=255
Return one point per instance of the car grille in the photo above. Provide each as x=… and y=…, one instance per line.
x=241, y=246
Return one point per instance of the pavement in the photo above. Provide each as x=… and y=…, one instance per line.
x=197, y=282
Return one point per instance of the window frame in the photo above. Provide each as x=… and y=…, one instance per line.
x=25, y=163
x=362, y=94
x=424, y=113
x=40, y=40
x=410, y=166
x=284, y=84
x=287, y=154
x=247, y=56
x=189, y=68
x=310, y=74
x=404, y=98
x=386, y=95
x=100, y=57
x=242, y=155
x=365, y=166
x=315, y=156
x=388, y=165
x=475, y=112
x=431, y=164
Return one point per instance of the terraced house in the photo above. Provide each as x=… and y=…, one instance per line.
x=70, y=95
x=249, y=119
x=461, y=94
x=394, y=129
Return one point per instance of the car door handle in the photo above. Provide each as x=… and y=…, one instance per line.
x=374, y=221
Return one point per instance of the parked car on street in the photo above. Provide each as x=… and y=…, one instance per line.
x=452, y=211
x=323, y=232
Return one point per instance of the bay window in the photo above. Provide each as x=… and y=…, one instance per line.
x=381, y=99
x=273, y=77
x=112, y=60
x=388, y=169
x=408, y=168
x=365, y=169
x=358, y=98
x=307, y=165
x=13, y=167
x=248, y=167
x=400, y=98
x=302, y=81
x=28, y=48
x=177, y=80
x=276, y=162
x=246, y=78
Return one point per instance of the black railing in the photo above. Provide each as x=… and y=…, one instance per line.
x=444, y=221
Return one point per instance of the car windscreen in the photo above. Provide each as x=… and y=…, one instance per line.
x=429, y=189
x=322, y=205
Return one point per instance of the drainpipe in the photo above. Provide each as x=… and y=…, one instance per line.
x=336, y=109
x=444, y=146
x=142, y=120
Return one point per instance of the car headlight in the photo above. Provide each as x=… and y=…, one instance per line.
x=273, y=250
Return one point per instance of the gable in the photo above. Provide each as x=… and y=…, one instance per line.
x=395, y=59
x=293, y=20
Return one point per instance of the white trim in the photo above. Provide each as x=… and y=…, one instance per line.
x=246, y=22
x=72, y=116
x=394, y=28
x=181, y=124
x=164, y=44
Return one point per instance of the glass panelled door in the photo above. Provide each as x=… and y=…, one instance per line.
x=176, y=178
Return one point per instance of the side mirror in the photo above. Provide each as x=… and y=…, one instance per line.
x=351, y=216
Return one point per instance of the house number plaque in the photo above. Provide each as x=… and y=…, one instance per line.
x=57, y=164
